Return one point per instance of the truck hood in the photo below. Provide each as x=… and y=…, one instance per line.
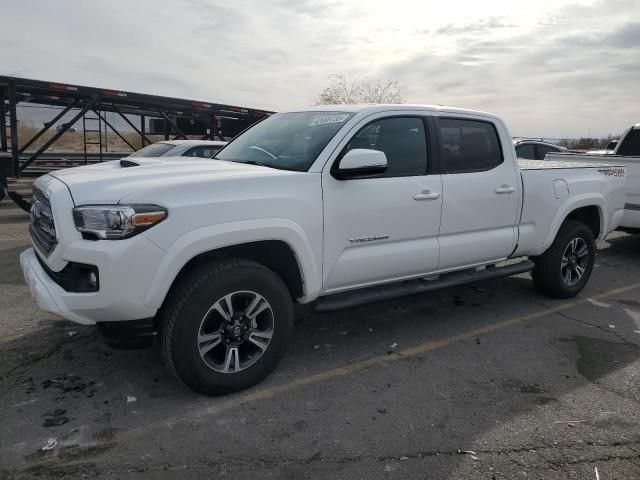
x=110, y=182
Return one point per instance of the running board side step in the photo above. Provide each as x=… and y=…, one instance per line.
x=364, y=296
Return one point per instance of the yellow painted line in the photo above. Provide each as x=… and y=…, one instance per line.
x=265, y=393
x=337, y=372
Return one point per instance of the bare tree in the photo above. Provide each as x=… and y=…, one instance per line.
x=364, y=90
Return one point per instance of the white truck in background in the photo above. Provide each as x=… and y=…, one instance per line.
x=333, y=206
x=626, y=152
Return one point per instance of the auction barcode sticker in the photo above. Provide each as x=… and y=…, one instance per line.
x=333, y=118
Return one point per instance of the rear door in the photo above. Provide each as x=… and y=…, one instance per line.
x=481, y=192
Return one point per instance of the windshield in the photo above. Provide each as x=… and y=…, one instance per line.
x=288, y=141
x=153, y=150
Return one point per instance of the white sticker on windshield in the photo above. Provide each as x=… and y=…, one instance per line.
x=333, y=118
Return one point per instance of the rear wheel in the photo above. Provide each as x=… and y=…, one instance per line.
x=226, y=326
x=564, y=269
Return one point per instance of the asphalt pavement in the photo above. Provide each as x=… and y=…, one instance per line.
x=485, y=381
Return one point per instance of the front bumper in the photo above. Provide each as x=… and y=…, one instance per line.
x=43, y=289
x=123, y=283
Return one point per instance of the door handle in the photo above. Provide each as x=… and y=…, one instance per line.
x=505, y=189
x=426, y=195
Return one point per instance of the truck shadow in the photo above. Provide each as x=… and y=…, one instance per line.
x=621, y=245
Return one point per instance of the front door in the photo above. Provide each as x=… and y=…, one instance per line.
x=385, y=227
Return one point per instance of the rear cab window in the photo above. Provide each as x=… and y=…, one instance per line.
x=630, y=145
x=468, y=145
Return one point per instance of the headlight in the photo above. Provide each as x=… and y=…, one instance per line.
x=114, y=222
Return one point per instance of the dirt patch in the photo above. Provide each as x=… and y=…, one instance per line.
x=72, y=384
x=523, y=387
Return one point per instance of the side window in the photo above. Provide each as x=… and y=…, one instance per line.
x=630, y=146
x=206, y=151
x=403, y=141
x=211, y=151
x=543, y=150
x=194, y=152
x=525, y=151
x=469, y=145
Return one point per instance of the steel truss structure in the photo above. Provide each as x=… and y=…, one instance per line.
x=89, y=105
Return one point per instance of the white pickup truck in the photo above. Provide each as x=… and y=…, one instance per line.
x=331, y=206
x=626, y=152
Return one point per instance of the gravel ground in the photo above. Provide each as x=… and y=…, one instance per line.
x=526, y=386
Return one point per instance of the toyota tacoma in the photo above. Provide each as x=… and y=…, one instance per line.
x=332, y=206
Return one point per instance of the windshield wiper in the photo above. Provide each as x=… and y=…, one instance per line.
x=259, y=164
x=253, y=162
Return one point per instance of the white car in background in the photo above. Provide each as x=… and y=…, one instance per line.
x=181, y=148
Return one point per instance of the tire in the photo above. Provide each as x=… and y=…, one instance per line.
x=210, y=350
x=561, y=279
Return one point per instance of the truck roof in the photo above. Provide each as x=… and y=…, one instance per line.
x=375, y=108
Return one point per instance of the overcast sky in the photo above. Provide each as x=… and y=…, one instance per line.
x=550, y=68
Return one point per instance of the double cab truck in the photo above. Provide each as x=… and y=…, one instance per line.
x=626, y=152
x=332, y=206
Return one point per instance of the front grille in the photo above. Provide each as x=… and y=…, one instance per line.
x=42, y=227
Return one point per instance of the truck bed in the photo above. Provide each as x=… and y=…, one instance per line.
x=550, y=188
x=631, y=219
x=558, y=163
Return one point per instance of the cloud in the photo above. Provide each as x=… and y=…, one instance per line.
x=477, y=27
x=626, y=37
x=559, y=78
x=550, y=67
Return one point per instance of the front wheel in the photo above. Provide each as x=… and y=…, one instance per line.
x=564, y=269
x=226, y=325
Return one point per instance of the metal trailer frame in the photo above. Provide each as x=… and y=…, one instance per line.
x=82, y=99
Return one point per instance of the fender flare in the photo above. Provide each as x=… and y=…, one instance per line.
x=574, y=203
x=214, y=237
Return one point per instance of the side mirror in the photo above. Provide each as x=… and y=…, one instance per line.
x=360, y=162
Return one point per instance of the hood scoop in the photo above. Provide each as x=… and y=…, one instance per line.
x=124, y=163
